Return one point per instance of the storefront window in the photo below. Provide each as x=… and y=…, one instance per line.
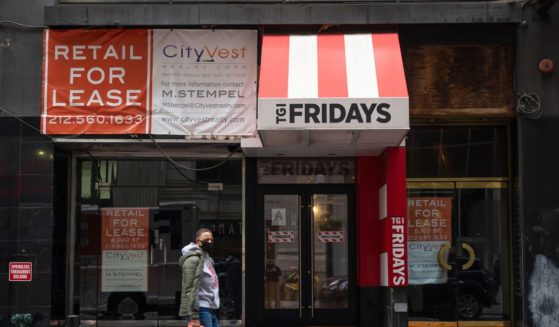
x=457, y=152
x=134, y=218
x=458, y=240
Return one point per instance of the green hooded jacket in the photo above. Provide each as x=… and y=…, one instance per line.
x=192, y=264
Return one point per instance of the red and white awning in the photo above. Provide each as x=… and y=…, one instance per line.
x=349, y=91
x=332, y=66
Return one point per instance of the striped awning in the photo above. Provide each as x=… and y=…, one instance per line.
x=352, y=85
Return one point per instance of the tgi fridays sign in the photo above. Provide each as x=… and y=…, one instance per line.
x=332, y=81
x=396, y=256
x=144, y=81
x=124, y=246
x=280, y=171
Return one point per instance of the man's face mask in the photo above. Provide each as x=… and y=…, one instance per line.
x=207, y=246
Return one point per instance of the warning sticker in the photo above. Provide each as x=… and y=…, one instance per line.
x=281, y=237
x=20, y=271
x=331, y=237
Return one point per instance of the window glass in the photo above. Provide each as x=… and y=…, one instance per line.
x=135, y=217
x=456, y=152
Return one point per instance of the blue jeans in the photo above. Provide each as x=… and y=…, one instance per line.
x=208, y=317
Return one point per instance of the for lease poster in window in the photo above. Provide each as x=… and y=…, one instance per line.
x=429, y=228
x=124, y=249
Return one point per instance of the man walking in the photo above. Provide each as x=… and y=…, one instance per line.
x=200, y=285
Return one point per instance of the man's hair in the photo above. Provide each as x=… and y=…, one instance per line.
x=202, y=231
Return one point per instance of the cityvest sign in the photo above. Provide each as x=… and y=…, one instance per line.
x=145, y=81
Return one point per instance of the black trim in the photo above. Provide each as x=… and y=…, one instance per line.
x=256, y=314
x=295, y=13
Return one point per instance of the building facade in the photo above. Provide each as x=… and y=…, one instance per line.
x=427, y=201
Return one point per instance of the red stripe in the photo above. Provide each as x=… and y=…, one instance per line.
x=274, y=66
x=332, y=76
x=368, y=226
x=389, y=66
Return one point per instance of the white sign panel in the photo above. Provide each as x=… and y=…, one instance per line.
x=423, y=263
x=124, y=271
x=204, y=82
x=324, y=113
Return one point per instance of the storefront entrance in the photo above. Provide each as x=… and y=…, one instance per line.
x=305, y=255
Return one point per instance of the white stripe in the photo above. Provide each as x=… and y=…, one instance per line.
x=383, y=202
x=384, y=269
x=360, y=63
x=46, y=82
x=148, y=84
x=303, y=67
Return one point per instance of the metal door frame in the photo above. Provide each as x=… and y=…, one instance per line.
x=305, y=191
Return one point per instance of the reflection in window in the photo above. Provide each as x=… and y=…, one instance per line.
x=177, y=204
x=456, y=152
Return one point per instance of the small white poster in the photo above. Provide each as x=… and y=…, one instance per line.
x=423, y=263
x=278, y=217
x=204, y=82
x=125, y=271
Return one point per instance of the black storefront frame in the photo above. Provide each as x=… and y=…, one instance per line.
x=71, y=272
x=254, y=195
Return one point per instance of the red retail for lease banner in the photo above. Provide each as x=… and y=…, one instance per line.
x=95, y=81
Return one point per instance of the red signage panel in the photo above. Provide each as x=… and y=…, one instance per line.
x=20, y=271
x=95, y=81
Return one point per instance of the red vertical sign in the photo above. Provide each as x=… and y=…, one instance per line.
x=392, y=215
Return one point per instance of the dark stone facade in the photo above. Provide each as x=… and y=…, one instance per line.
x=26, y=218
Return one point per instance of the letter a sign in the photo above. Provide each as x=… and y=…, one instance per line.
x=278, y=216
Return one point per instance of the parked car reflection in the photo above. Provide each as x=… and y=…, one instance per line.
x=464, y=296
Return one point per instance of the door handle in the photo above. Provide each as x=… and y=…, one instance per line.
x=163, y=245
x=300, y=264
x=471, y=256
x=311, y=279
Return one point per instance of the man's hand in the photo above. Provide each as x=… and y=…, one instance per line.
x=195, y=323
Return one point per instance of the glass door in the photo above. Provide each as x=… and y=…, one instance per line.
x=458, y=251
x=307, y=266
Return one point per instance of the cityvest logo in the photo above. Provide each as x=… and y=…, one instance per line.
x=327, y=113
x=204, y=54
